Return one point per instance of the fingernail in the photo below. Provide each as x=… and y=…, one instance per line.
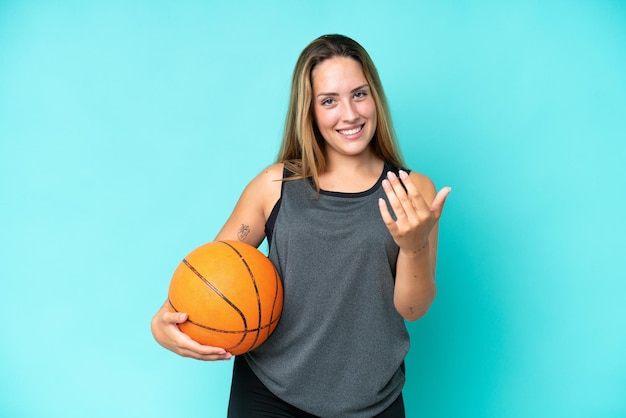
x=403, y=174
x=391, y=176
x=386, y=184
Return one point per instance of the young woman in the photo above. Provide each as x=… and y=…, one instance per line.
x=354, y=238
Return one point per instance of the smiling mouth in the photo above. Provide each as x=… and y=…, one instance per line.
x=350, y=131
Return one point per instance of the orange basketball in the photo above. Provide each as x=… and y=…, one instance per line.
x=232, y=294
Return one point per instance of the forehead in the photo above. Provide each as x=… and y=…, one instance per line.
x=337, y=74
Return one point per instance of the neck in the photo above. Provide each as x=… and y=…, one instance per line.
x=362, y=163
x=351, y=174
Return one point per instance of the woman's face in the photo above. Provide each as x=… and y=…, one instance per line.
x=343, y=105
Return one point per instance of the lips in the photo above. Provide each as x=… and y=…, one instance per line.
x=351, y=131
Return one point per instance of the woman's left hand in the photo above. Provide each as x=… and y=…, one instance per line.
x=415, y=217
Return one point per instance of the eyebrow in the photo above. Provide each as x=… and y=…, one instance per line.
x=361, y=87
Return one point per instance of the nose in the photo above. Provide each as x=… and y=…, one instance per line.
x=350, y=114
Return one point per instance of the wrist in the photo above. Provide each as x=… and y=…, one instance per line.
x=420, y=251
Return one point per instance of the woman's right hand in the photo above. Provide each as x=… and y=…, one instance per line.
x=247, y=224
x=166, y=332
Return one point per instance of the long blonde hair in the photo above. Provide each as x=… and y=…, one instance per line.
x=302, y=147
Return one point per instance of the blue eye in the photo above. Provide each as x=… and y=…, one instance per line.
x=360, y=94
x=328, y=102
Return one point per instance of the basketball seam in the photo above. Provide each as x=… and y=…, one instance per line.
x=276, y=280
x=247, y=332
x=221, y=295
x=256, y=290
x=224, y=331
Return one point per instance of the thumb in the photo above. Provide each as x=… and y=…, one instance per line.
x=182, y=317
x=175, y=317
x=438, y=202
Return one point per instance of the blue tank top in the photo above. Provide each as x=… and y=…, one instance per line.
x=339, y=348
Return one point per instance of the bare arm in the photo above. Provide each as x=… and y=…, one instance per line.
x=246, y=223
x=415, y=230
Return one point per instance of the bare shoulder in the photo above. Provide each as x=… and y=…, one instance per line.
x=269, y=179
x=266, y=186
x=247, y=221
x=272, y=173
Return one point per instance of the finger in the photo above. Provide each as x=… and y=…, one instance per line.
x=398, y=199
x=417, y=199
x=439, y=201
x=384, y=212
x=205, y=357
x=189, y=347
x=174, y=317
x=394, y=202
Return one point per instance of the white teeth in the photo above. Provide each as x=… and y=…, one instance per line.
x=351, y=131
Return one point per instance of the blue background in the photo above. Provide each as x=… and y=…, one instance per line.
x=129, y=128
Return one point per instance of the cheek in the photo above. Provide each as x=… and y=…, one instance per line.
x=325, y=118
x=371, y=110
x=367, y=109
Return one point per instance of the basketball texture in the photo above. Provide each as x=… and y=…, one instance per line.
x=232, y=294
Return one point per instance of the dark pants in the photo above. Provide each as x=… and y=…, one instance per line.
x=249, y=398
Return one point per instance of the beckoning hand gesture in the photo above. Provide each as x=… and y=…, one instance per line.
x=415, y=218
